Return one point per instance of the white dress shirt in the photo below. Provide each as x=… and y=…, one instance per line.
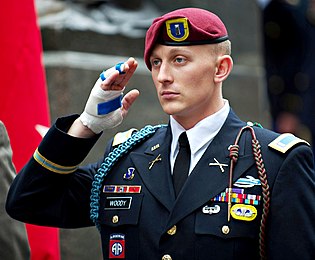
x=200, y=136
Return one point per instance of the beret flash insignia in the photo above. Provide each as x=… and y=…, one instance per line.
x=177, y=29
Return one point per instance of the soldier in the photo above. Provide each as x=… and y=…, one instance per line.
x=13, y=237
x=205, y=186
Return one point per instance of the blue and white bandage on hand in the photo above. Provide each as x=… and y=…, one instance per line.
x=103, y=109
x=119, y=67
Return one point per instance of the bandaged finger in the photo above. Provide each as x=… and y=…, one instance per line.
x=120, y=67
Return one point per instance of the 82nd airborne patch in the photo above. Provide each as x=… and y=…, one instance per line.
x=117, y=246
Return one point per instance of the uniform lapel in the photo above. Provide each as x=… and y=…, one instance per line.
x=157, y=179
x=206, y=181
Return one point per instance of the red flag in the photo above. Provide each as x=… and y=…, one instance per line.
x=23, y=101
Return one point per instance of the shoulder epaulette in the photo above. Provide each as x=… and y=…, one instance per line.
x=123, y=136
x=286, y=141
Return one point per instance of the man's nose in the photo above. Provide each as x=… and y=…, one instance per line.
x=165, y=73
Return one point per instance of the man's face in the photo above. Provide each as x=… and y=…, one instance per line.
x=184, y=80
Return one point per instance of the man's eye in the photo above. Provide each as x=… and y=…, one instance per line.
x=179, y=60
x=155, y=62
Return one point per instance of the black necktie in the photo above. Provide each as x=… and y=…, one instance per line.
x=182, y=162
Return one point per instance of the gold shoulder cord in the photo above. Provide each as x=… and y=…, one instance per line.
x=234, y=149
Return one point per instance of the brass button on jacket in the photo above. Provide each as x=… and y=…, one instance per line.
x=166, y=257
x=225, y=230
x=115, y=219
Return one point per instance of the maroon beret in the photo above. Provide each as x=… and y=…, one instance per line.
x=183, y=27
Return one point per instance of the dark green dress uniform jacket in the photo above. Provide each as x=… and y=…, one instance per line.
x=138, y=214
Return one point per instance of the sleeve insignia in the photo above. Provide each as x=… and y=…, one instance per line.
x=286, y=141
x=123, y=136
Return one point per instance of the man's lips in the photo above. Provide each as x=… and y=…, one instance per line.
x=167, y=94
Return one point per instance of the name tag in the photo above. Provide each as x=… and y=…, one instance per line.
x=118, y=202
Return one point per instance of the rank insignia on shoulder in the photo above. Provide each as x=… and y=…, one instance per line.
x=123, y=136
x=285, y=141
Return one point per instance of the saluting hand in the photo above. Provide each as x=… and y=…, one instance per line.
x=116, y=81
x=106, y=107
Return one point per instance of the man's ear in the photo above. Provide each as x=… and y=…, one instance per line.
x=223, y=69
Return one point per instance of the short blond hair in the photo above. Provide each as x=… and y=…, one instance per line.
x=223, y=48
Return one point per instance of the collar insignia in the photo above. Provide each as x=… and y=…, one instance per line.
x=157, y=159
x=216, y=163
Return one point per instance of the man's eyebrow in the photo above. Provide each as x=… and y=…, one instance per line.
x=174, y=50
x=180, y=49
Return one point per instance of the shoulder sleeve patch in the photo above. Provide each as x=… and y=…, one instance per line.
x=123, y=136
x=286, y=141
